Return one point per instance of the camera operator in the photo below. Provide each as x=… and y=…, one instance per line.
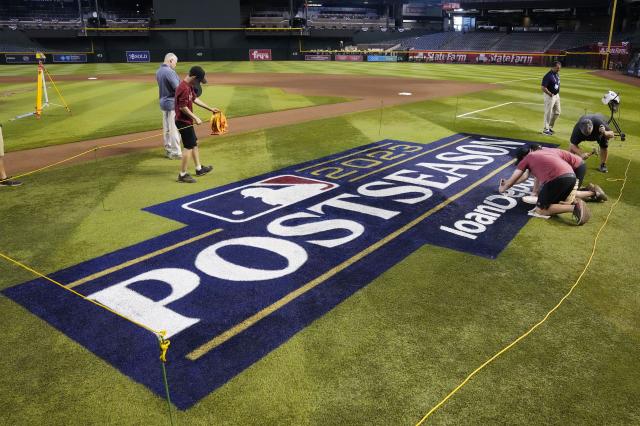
x=592, y=127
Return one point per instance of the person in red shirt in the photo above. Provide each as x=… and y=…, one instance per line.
x=557, y=181
x=186, y=96
x=591, y=192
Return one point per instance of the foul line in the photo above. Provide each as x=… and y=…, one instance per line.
x=537, y=78
x=488, y=119
x=408, y=159
x=483, y=109
x=343, y=157
x=492, y=107
x=242, y=326
x=140, y=259
x=539, y=323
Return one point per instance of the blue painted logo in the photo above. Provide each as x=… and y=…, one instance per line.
x=262, y=258
x=138, y=56
x=70, y=59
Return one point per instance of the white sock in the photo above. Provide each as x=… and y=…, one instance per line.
x=183, y=174
x=198, y=167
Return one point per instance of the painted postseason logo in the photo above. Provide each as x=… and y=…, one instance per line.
x=262, y=258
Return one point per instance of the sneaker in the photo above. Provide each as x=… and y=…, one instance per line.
x=547, y=132
x=204, y=170
x=187, y=178
x=603, y=168
x=552, y=132
x=534, y=213
x=599, y=194
x=9, y=182
x=581, y=213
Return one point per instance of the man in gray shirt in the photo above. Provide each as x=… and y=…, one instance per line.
x=168, y=80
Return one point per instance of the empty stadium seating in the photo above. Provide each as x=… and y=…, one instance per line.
x=524, y=42
x=567, y=41
x=474, y=41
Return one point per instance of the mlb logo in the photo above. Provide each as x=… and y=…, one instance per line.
x=256, y=199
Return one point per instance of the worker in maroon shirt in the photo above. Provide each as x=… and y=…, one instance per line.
x=591, y=192
x=185, y=120
x=557, y=180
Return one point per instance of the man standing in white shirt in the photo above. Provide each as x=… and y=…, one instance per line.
x=551, y=90
x=168, y=80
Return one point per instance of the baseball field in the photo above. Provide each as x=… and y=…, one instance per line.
x=387, y=322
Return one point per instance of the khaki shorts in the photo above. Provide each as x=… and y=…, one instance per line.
x=1, y=143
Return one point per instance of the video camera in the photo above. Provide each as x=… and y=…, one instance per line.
x=612, y=100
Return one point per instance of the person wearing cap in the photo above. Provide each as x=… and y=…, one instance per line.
x=186, y=96
x=168, y=81
x=592, y=127
x=557, y=182
x=551, y=92
x=591, y=192
x=5, y=180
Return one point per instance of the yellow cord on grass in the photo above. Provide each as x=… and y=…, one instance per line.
x=539, y=323
x=159, y=333
x=89, y=151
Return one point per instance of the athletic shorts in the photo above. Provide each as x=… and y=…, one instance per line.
x=603, y=142
x=580, y=172
x=556, y=190
x=1, y=143
x=188, y=135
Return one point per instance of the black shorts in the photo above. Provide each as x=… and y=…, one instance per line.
x=580, y=172
x=556, y=190
x=188, y=135
x=602, y=142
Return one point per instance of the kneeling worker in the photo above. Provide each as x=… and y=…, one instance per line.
x=558, y=181
x=592, y=127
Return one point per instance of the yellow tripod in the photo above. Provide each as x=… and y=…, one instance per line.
x=42, y=97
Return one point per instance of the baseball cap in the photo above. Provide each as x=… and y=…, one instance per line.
x=197, y=72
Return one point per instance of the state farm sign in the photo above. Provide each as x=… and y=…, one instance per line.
x=260, y=54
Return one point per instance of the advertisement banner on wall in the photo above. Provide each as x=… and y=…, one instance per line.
x=70, y=59
x=21, y=59
x=260, y=54
x=138, y=56
x=477, y=58
x=349, y=58
x=616, y=49
x=381, y=58
x=317, y=57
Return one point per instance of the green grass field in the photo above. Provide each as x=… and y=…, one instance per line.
x=393, y=350
x=109, y=108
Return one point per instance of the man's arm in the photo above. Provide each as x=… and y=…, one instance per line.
x=187, y=111
x=201, y=104
x=524, y=176
x=536, y=187
x=504, y=185
x=605, y=133
x=543, y=86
